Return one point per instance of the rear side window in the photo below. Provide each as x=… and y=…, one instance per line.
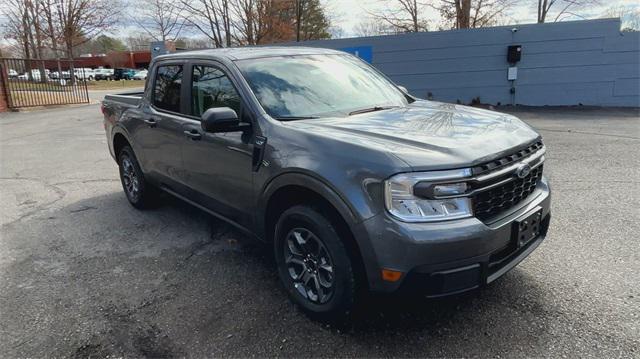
x=212, y=88
x=166, y=92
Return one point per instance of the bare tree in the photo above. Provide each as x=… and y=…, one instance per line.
x=253, y=22
x=300, y=6
x=72, y=23
x=566, y=8
x=402, y=15
x=263, y=21
x=17, y=25
x=212, y=18
x=161, y=19
x=75, y=22
x=245, y=12
x=37, y=35
x=22, y=25
x=465, y=14
x=629, y=17
x=196, y=42
x=136, y=42
x=372, y=27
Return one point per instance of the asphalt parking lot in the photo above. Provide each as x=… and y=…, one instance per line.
x=84, y=274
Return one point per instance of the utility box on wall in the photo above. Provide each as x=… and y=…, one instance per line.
x=514, y=53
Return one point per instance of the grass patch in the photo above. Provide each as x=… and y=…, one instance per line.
x=114, y=85
x=27, y=94
x=45, y=98
x=18, y=85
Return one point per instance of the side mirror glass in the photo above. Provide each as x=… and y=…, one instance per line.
x=220, y=119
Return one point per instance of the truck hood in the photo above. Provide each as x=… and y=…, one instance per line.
x=428, y=134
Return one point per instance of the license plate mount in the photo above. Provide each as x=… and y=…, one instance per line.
x=526, y=228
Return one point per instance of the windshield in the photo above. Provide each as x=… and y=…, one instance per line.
x=317, y=85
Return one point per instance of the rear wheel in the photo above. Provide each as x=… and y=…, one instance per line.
x=313, y=264
x=140, y=193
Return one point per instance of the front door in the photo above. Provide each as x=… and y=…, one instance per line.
x=217, y=166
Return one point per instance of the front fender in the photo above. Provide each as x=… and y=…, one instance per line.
x=313, y=183
x=340, y=201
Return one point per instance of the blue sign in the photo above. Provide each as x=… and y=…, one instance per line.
x=363, y=52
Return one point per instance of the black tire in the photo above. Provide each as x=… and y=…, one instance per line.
x=305, y=220
x=140, y=193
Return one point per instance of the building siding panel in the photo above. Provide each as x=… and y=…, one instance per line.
x=569, y=63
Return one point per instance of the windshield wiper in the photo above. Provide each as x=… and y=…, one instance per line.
x=371, y=109
x=294, y=118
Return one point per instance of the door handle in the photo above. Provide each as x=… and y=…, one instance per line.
x=151, y=122
x=193, y=134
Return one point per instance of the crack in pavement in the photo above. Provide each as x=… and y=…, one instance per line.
x=87, y=181
x=59, y=192
x=82, y=209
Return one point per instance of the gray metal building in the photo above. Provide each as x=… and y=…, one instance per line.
x=587, y=62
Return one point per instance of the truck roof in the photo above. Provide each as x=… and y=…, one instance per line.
x=250, y=52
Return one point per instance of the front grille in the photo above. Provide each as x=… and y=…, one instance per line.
x=507, y=160
x=494, y=201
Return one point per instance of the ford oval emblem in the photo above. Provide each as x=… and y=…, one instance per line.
x=523, y=170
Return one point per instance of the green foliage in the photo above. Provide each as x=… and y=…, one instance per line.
x=314, y=24
x=102, y=45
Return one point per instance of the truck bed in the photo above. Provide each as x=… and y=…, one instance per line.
x=131, y=99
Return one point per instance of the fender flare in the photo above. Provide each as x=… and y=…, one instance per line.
x=121, y=130
x=311, y=182
x=351, y=217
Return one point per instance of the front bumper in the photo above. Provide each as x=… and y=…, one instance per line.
x=449, y=257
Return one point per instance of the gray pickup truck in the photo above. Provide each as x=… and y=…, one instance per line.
x=357, y=185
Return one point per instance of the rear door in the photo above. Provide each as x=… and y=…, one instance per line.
x=218, y=166
x=159, y=130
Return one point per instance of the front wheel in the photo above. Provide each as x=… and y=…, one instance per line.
x=140, y=193
x=313, y=264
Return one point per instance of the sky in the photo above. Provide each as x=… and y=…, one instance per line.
x=346, y=14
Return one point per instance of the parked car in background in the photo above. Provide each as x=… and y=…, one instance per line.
x=13, y=74
x=356, y=184
x=123, y=74
x=85, y=73
x=35, y=75
x=140, y=75
x=64, y=75
x=103, y=74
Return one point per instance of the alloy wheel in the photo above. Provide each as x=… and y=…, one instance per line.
x=309, y=265
x=130, y=178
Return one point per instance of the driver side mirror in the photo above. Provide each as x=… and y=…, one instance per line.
x=221, y=119
x=403, y=89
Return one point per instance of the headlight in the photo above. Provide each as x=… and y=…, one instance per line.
x=428, y=196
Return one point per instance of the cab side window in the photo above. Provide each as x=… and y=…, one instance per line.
x=212, y=88
x=166, y=92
